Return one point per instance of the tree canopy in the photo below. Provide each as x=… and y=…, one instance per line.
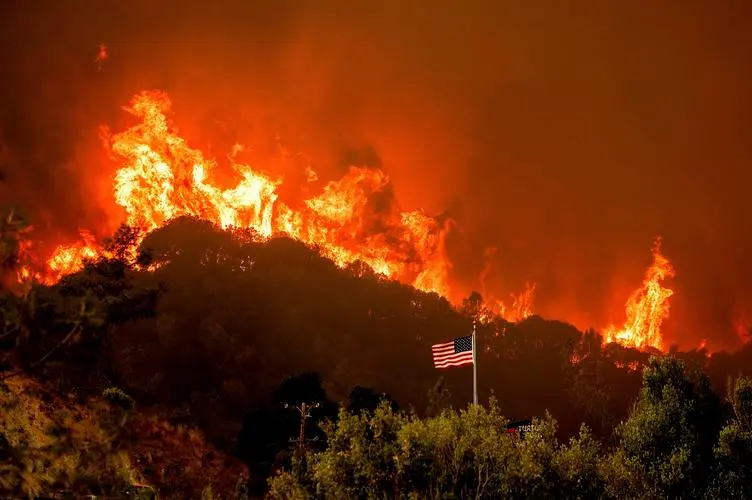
x=679, y=441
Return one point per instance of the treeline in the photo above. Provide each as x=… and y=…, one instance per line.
x=206, y=337
x=679, y=441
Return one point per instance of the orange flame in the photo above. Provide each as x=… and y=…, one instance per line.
x=646, y=308
x=521, y=308
x=354, y=218
x=64, y=260
x=522, y=303
x=69, y=259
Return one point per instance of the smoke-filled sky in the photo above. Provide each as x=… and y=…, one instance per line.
x=567, y=135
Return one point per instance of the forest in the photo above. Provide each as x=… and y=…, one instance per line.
x=187, y=380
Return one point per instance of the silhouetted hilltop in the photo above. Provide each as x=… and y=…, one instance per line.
x=225, y=327
x=239, y=315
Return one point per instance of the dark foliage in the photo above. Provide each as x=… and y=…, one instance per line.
x=675, y=443
x=210, y=336
x=366, y=399
x=71, y=321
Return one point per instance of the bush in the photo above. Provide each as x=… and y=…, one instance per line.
x=673, y=444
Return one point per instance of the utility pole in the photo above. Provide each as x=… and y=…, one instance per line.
x=305, y=412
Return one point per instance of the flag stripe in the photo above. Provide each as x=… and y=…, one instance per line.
x=458, y=361
x=444, y=352
x=450, y=355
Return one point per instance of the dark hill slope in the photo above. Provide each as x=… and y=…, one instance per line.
x=238, y=316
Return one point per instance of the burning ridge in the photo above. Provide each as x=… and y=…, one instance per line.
x=355, y=218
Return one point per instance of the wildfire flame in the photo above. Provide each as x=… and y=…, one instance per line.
x=522, y=303
x=521, y=308
x=354, y=218
x=646, y=308
x=69, y=259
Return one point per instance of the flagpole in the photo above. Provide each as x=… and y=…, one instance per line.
x=475, y=369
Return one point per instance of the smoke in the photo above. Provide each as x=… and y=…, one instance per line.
x=565, y=137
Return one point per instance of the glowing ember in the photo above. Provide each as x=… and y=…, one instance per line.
x=102, y=55
x=632, y=366
x=646, y=308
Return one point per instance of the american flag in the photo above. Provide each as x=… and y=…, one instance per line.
x=458, y=352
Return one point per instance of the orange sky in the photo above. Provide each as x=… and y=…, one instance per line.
x=568, y=138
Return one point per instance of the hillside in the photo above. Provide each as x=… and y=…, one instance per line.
x=205, y=338
x=293, y=311
x=52, y=441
